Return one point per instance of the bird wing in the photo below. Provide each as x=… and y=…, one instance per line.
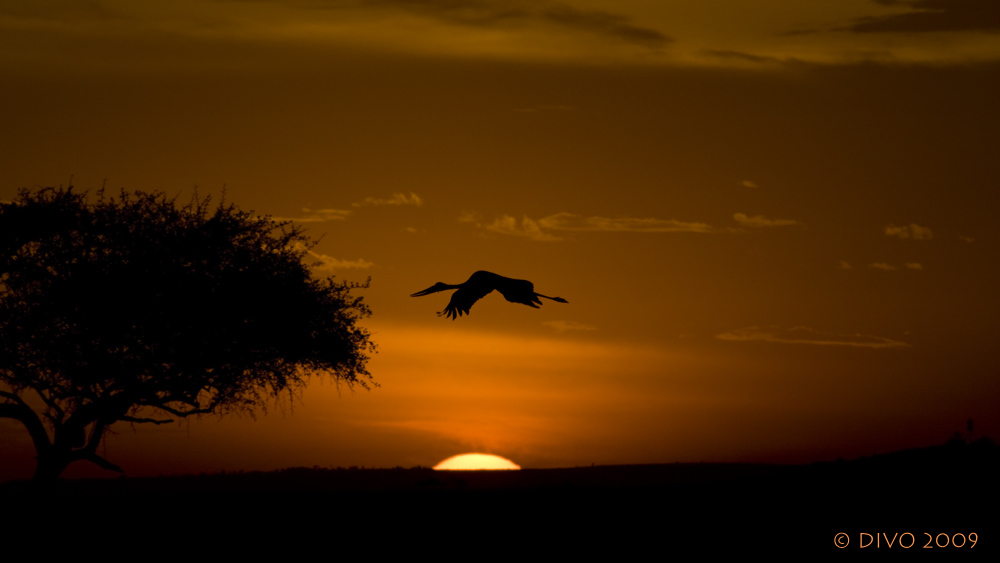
x=518, y=291
x=463, y=300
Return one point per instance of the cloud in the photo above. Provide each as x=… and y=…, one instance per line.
x=320, y=215
x=740, y=56
x=761, y=221
x=571, y=222
x=396, y=199
x=331, y=263
x=748, y=184
x=933, y=16
x=317, y=215
x=479, y=13
x=604, y=23
x=563, y=326
x=969, y=240
x=514, y=13
x=541, y=229
x=912, y=230
x=914, y=266
x=845, y=265
x=803, y=335
x=529, y=228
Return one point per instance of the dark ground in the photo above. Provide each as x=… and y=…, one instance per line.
x=631, y=510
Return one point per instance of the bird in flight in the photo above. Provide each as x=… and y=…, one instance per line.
x=479, y=285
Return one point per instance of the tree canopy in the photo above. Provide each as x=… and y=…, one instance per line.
x=135, y=309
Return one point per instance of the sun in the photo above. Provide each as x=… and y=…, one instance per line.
x=469, y=462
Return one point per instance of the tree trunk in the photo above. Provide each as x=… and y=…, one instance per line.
x=66, y=448
x=51, y=463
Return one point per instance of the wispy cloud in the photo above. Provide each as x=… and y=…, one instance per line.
x=845, y=265
x=761, y=221
x=933, y=16
x=396, y=199
x=544, y=229
x=748, y=184
x=331, y=263
x=914, y=266
x=516, y=13
x=317, y=215
x=571, y=222
x=913, y=230
x=803, y=335
x=563, y=326
x=321, y=215
x=603, y=23
x=740, y=56
x=529, y=228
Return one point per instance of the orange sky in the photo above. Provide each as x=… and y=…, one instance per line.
x=774, y=224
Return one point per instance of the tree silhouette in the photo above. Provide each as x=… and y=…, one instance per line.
x=134, y=309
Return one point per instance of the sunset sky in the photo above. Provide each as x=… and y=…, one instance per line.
x=774, y=221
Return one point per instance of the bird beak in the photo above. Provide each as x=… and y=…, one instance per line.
x=427, y=291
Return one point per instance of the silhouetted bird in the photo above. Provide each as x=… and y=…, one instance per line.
x=479, y=285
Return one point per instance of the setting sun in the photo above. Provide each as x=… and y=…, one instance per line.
x=470, y=462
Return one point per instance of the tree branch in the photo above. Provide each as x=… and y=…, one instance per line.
x=150, y=420
x=96, y=433
x=176, y=412
x=56, y=420
x=19, y=410
x=11, y=396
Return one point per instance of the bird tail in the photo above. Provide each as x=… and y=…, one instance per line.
x=557, y=299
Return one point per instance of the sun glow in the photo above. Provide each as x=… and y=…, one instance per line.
x=470, y=462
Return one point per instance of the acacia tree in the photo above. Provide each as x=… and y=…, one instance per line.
x=135, y=309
